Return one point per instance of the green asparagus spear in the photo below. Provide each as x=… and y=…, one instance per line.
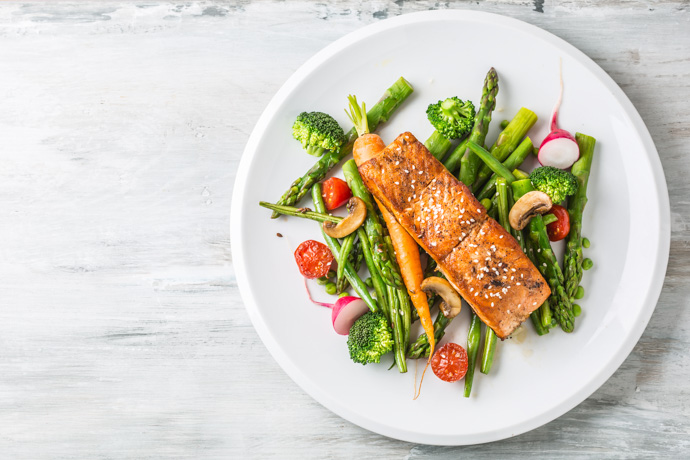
x=495, y=165
x=356, y=258
x=304, y=213
x=576, y=206
x=437, y=145
x=420, y=349
x=380, y=113
x=513, y=161
x=473, y=338
x=469, y=164
x=507, y=142
x=345, y=250
x=547, y=263
x=452, y=163
x=490, y=338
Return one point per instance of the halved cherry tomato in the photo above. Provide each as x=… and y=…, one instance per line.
x=450, y=362
x=314, y=259
x=335, y=193
x=559, y=229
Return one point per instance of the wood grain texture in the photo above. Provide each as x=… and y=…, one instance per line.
x=122, y=331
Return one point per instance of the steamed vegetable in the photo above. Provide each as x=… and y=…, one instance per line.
x=547, y=263
x=317, y=132
x=556, y=183
x=379, y=113
x=370, y=338
x=452, y=118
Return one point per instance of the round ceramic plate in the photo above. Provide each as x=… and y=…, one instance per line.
x=534, y=379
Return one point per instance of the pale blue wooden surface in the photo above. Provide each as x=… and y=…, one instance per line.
x=122, y=331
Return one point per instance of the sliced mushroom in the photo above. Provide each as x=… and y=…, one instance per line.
x=357, y=212
x=452, y=303
x=529, y=205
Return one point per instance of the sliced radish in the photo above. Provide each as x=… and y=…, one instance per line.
x=345, y=311
x=559, y=148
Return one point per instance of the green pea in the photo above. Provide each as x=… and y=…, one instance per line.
x=486, y=203
x=330, y=288
x=577, y=310
x=587, y=263
x=331, y=274
x=344, y=294
x=369, y=282
x=504, y=124
x=585, y=243
x=321, y=281
x=535, y=151
x=580, y=293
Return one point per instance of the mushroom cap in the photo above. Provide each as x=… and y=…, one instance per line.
x=529, y=205
x=357, y=212
x=452, y=303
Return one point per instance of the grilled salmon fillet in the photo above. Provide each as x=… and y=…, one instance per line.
x=480, y=259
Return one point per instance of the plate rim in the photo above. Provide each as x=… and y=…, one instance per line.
x=597, y=380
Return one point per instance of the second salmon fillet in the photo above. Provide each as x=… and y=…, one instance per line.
x=480, y=259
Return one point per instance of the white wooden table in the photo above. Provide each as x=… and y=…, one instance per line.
x=122, y=331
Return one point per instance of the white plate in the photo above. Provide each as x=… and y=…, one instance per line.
x=535, y=379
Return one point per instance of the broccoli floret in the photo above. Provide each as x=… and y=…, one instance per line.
x=318, y=132
x=453, y=118
x=370, y=338
x=556, y=183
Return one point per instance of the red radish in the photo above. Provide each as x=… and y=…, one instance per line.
x=559, y=148
x=345, y=311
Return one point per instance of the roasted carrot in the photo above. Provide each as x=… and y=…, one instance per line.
x=407, y=254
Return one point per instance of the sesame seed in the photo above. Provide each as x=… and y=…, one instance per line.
x=475, y=261
x=479, y=210
x=397, y=163
x=534, y=303
x=492, y=304
x=500, y=263
x=500, y=237
x=508, y=311
x=539, y=250
x=397, y=183
x=513, y=269
x=544, y=264
x=476, y=293
x=462, y=199
x=413, y=181
x=521, y=275
x=490, y=286
x=412, y=167
x=421, y=172
x=409, y=198
x=406, y=171
x=512, y=278
x=481, y=232
x=486, y=296
x=518, y=283
x=471, y=289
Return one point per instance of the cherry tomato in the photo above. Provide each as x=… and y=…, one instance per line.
x=559, y=229
x=314, y=259
x=335, y=193
x=450, y=362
